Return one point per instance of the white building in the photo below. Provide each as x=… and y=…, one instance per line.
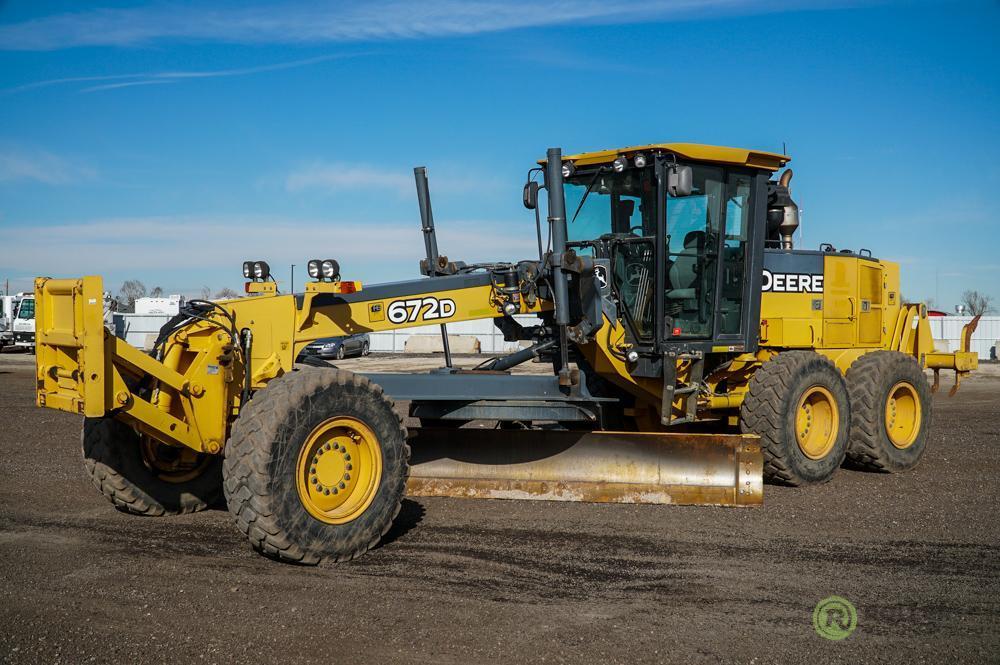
x=949, y=329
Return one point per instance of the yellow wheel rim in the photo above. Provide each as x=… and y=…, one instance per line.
x=338, y=470
x=816, y=422
x=902, y=415
x=172, y=464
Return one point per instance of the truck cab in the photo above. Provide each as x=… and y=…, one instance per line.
x=24, y=323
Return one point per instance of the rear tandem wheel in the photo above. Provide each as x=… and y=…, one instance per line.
x=798, y=405
x=891, y=411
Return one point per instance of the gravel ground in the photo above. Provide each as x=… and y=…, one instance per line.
x=512, y=581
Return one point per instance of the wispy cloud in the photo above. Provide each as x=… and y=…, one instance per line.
x=126, y=84
x=335, y=177
x=33, y=165
x=353, y=21
x=142, y=246
x=114, y=81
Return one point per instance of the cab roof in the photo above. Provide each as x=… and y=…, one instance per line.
x=760, y=159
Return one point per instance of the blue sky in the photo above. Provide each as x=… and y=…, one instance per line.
x=169, y=141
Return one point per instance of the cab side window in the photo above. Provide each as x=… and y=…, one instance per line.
x=734, y=247
x=693, y=226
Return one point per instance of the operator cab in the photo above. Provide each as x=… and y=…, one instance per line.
x=683, y=227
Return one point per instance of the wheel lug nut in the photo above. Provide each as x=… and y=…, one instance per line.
x=347, y=476
x=342, y=485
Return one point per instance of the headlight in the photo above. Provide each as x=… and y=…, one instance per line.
x=330, y=345
x=619, y=164
x=568, y=169
x=248, y=269
x=313, y=268
x=261, y=270
x=330, y=269
x=640, y=160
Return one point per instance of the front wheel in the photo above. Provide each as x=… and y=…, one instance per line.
x=365, y=350
x=340, y=352
x=143, y=477
x=316, y=467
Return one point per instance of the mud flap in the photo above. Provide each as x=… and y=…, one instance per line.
x=603, y=467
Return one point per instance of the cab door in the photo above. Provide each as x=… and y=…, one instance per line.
x=735, y=256
x=692, y=245
x=713, y=256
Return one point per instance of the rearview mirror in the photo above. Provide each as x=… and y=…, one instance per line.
x=530, y=195
x=680, y=180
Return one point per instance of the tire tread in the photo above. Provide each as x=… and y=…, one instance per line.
x=249, y=456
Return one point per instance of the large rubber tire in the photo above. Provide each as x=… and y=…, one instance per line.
x=869, y=382
x=771, y=408
x=261, y=465
x=114, y=462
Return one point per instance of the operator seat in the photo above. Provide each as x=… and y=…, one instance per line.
x=684, y=270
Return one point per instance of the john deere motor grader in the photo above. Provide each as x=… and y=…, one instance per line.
x=693, y=351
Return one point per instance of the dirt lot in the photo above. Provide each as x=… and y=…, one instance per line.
x=482, y=581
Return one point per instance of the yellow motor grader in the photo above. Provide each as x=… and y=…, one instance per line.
x=694, y=353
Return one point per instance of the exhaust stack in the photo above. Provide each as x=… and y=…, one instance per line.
x=789, y=212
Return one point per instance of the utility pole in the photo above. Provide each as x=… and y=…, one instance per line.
x=292, y=287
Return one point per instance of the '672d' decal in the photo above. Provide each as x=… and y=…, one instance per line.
x=420, y=309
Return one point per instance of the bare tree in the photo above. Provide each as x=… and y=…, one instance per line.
x=206, y=293
x=977, y=303
x=226, y=294
x=132, y=290
x=156, y=292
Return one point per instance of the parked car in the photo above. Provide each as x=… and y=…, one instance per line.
x=339, y=347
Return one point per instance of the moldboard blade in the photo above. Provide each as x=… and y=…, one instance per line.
x=605, y=467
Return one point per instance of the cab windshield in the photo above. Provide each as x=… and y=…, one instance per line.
x=26, y=310
x=617, y=203
x=623, y=204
